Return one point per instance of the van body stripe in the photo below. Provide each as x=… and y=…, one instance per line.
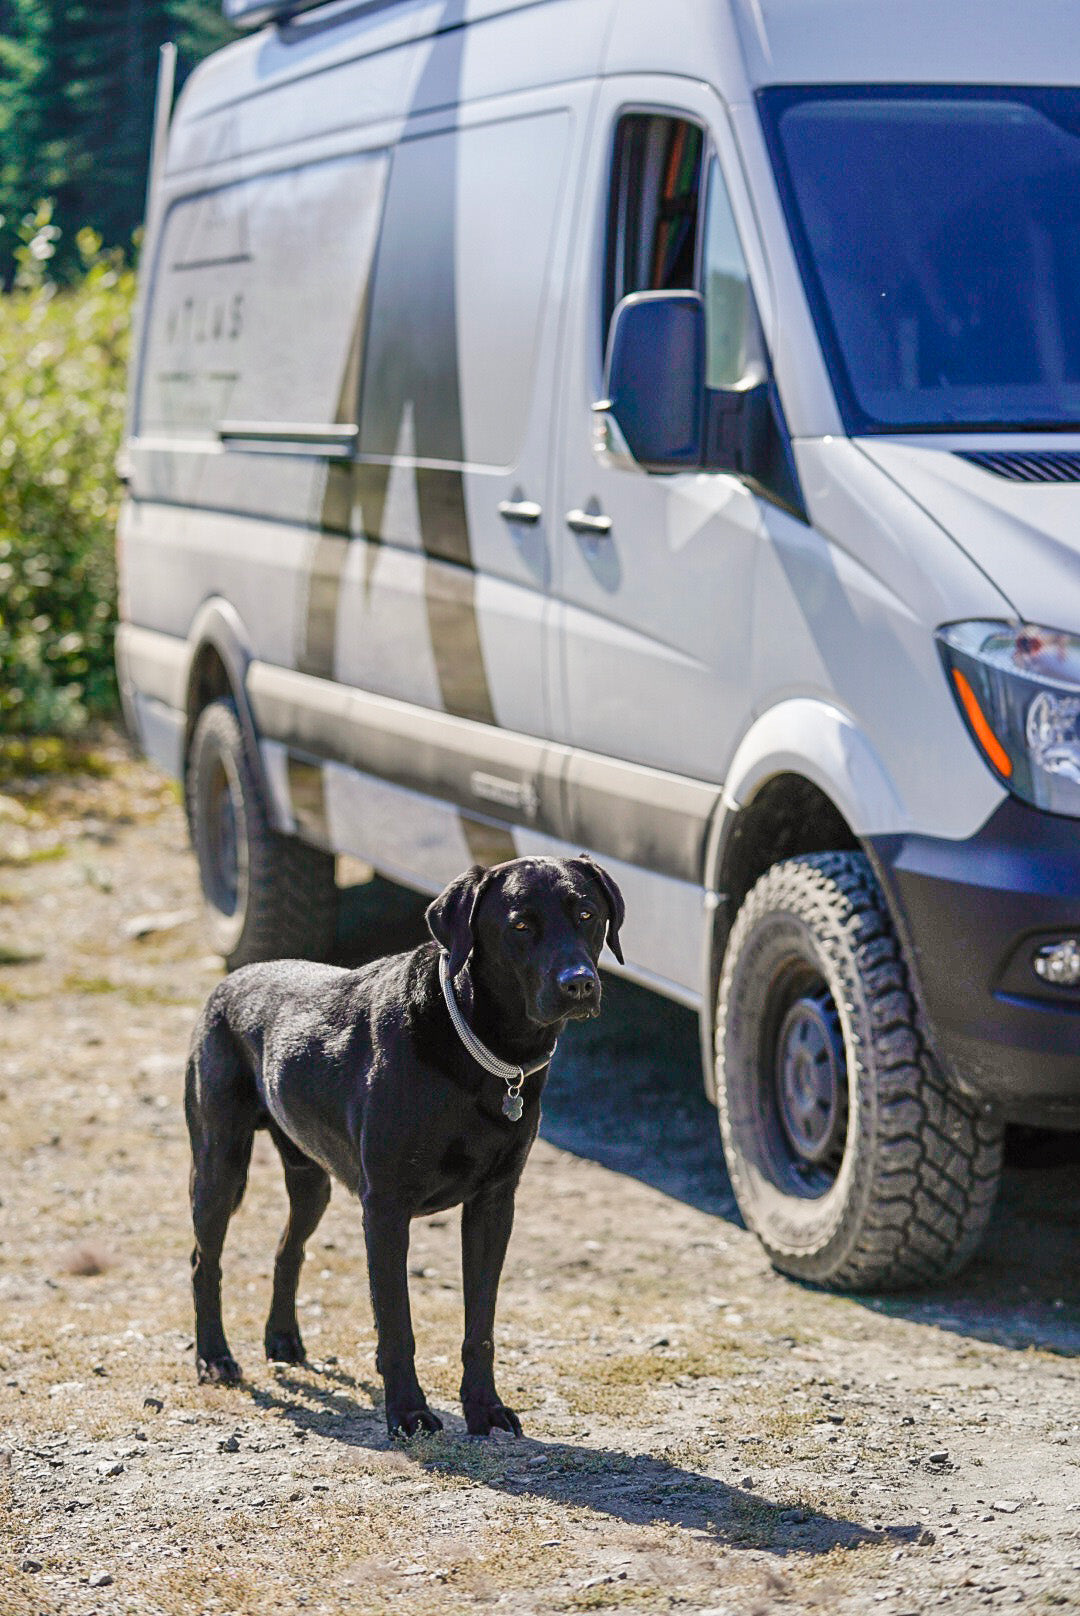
x=404, y=370
x=307, y=798
x=487, y=843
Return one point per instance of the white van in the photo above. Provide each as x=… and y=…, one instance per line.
x=653, y=429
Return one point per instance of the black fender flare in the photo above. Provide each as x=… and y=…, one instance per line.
x=218, y=626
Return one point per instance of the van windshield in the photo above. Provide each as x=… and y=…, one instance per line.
x=938, y=233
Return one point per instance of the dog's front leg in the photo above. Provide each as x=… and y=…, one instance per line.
x=386, y=1231
x=486, y=1223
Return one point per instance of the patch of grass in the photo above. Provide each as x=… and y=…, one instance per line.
x=613, y=1595
x=74, y=983
x=37, y=855
x=28, y=756
x=139, y=993
x=86, y=1259
x=614, y=1385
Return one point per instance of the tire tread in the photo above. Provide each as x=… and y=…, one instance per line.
x=937, y=1158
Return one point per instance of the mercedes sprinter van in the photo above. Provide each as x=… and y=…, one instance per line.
x=564, y=424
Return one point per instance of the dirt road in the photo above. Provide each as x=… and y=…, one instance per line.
x=702, y=1435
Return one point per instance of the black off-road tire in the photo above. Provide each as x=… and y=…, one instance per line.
x=266, y=896
x=854, y=1161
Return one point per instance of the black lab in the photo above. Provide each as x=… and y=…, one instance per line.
x=415, y=1081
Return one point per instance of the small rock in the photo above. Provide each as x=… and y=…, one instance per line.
x=746, y=1481
x=109, y=1468
x=1007, y=1506
x=101, y=1579
x=908, y=1419
x=28, y=1563
x=230, y=1445
x=155, y=1403
x=162, y=920
x=925, y=1538
x=939, y=1456
x=835, y=1419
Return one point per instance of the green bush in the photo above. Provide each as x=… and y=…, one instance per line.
x=62, y=382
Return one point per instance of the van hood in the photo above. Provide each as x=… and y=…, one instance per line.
x=1025, y=535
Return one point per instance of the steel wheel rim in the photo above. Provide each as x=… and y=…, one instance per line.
x=804, y=1078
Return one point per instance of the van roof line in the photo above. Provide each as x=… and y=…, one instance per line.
x=254, y=13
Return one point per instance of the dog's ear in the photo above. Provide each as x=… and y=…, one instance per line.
x=613, y=898
x=450, y=917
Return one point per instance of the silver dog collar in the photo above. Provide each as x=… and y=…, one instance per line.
x=513, y=1076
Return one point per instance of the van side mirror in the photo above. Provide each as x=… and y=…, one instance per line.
x=655, y=378
x=659, y=414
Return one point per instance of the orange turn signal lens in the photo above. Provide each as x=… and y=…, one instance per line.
x=983, y=733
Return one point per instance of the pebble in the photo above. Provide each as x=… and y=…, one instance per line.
x=101, y=1579
x=1007, y=1506
x=162, y=920
x=155, y=1403
x=938, y=1457
x=230, y=1445
x=28, y=1563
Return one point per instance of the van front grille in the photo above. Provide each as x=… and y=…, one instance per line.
x=1038, y=466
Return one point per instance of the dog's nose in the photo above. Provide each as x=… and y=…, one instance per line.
x=578, y=984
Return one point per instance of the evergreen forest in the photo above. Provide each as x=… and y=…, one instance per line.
x=77, y=83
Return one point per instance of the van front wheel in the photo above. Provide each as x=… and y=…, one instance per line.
x=266, y=896
x=851, y=1158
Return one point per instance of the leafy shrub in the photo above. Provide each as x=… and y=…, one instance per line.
x=62, y=383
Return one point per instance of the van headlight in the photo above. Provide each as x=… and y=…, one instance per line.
x=1018, y=688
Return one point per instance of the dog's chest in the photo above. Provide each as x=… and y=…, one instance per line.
x=466, y=1160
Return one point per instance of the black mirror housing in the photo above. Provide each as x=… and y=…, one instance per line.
x=655, y=378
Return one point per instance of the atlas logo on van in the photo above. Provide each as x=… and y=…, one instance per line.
x=552, y=429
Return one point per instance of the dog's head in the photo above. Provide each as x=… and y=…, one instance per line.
x=539, y=923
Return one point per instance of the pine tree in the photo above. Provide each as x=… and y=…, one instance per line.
x=77, y=84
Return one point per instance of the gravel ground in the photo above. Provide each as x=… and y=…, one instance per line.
x=702, y=1435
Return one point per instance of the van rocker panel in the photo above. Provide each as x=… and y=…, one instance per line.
x=973, y=913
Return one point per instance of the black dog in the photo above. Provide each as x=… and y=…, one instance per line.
x=385, y=1078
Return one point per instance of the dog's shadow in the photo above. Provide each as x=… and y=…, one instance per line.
x=638, y=1489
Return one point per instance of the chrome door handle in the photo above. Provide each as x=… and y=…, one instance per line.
x=520, y=510
x=585, y=522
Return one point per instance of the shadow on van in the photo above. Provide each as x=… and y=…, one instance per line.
x=625, y=1091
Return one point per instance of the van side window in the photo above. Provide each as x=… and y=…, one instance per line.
x=734, y=345
x=654, y=209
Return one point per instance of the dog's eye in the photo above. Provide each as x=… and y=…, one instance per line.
x=586, y=914
x=520, y=925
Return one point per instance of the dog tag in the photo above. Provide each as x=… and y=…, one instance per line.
x=513, y=1105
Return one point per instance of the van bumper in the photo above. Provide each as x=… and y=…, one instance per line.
x=972, y=915
x=149, y=670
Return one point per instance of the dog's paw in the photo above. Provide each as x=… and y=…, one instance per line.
x=483, y=1418
x=220, y=1371
x=404, y=1424
x=285, y=1346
